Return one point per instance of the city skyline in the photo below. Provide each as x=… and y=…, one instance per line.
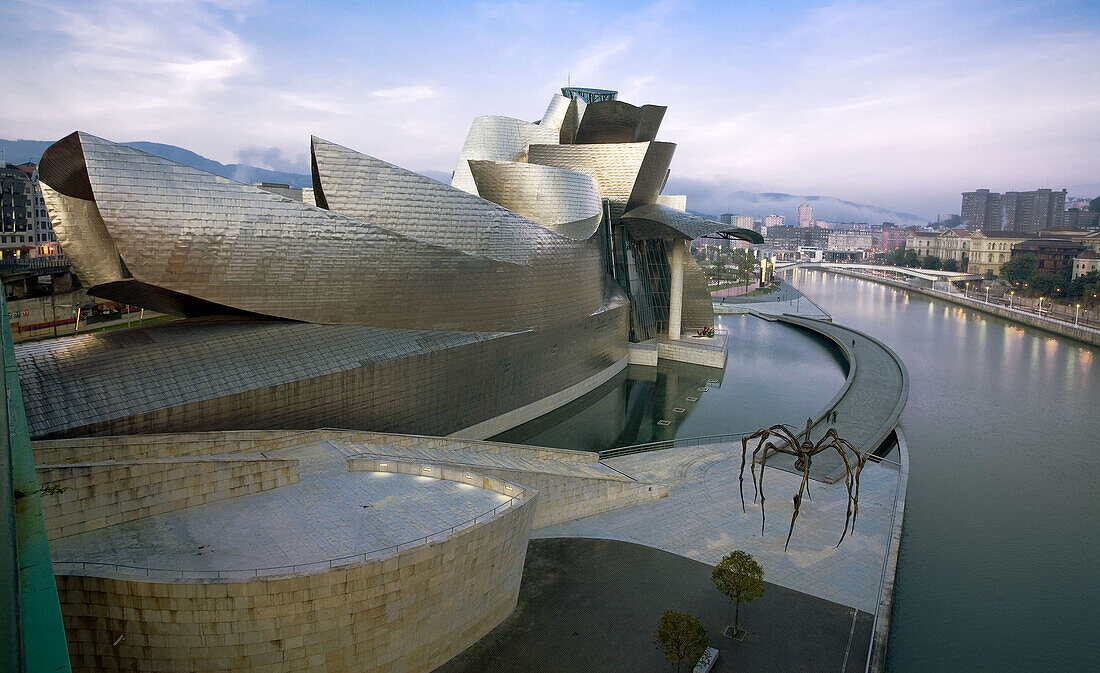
x=902, y=107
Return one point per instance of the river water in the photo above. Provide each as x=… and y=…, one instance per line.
x=998, y=568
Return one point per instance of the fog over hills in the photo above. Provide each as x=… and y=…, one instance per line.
x=713, y=199
x=703, y=197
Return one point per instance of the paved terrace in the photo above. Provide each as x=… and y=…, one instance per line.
x=331, y=513
x=702, y=520
x=786, y=301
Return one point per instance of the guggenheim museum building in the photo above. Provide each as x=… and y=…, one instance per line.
x=202, y=512
x=397, y=303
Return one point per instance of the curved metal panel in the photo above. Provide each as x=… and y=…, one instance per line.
x=572, y=121
x=674, y=201
x=184, y=231
x=498, y=139
x=613, y=121
x=625, y=173
x=83, y=236
x=658, y=221
x=698, y=307
x=371, y=190
x=556, y=112
x=565, y=202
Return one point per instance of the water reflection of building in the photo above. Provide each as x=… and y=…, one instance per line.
x=625, y=411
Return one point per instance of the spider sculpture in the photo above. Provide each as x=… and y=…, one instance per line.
x=803, y=452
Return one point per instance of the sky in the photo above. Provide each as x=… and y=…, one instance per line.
x=899, y=104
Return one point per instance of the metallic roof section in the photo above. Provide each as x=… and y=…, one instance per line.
x=674, y=201
x=498, y=139
x=658, y=221
x=613, y=121
x=625, y=173
x=556, y=112
x=373, y=191
x=565, y=202
x=198, y=361
x=181, y=231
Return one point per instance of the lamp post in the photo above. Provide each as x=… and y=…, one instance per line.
x=1076, y=315
x=1040, y=309
x=987, y=294
x=1011, y=294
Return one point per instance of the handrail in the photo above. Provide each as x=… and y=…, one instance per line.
x=291, y=567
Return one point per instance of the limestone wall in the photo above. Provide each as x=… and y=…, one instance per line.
x=129, y=447
x=471, y=445
x=103, y=494
x=409, y=612
x=134, y=447
x=705, y=352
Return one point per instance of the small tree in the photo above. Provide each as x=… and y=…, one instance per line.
x=740, y=578
x=682, y=637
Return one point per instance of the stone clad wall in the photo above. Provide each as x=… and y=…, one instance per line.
x=103, y=494
x=136, y=447
x=410, y=612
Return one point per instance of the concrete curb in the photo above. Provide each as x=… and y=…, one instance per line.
x=876, y=655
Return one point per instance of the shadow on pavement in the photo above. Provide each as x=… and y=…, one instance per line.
x=592, y=605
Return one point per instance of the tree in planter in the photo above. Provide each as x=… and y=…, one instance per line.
x=741, y=579
x=682, y=638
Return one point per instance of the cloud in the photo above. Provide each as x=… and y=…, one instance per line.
x=406, y=94
x=274, y=159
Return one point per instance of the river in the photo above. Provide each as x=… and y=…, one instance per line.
x=998, y=563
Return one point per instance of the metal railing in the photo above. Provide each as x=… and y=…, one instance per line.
x=68, y=567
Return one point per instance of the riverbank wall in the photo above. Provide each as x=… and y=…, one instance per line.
x=1085, y=335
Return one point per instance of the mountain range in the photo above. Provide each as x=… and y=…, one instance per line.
x=705, y=198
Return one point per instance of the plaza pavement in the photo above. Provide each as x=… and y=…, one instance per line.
x=702, y=519
x=330, y=513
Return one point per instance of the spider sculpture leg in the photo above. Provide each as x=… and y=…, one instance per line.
x=798, y=499
x=768, y=449
x=851, y=478
x=763, y=435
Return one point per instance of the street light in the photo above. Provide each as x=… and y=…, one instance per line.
x=1040, y=309
x=987, y=294
x=1010, y=296
x=1076, y=315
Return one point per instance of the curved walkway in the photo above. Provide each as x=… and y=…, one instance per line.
x=869, y=404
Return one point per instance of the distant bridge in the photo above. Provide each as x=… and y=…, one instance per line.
x=895, y=272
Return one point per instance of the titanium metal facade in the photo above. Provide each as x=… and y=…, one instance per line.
x=223, y=375
x=399, y=291
x=190, y=243
x=565, y=202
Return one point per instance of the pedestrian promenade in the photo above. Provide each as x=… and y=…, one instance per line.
x=702, y=519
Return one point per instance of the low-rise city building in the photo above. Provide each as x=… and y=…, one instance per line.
x=948, y=244
x=1086, y=262
x=891, y=237
x=990, y=249
x=1051, y=254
